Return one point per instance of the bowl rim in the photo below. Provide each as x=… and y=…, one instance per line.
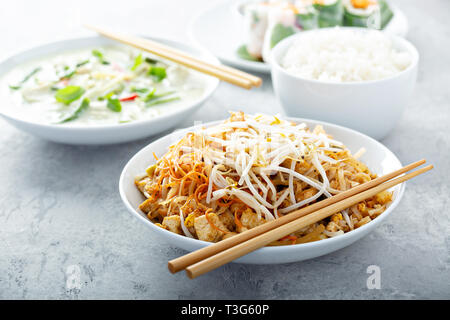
x=280, y=49
x=356, y=233
x=212, y=83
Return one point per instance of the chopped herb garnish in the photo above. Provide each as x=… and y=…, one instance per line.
x=114, y=105
x=99, y=56
x=69, y=94
x=161, y=101
x=27, y=77
x=83, y=106
x=158, y=73
x=137, y=62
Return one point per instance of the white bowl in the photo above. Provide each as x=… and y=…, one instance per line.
x=378, y=158
x=371, y=107
x=103, y=134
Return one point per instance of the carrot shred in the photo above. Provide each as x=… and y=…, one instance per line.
x=199, y=188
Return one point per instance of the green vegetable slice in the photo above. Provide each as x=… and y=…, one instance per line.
x=158, y=73
x=114, y=105
x=83, y=106
x=69, y=94
x=137, y=62
x=27, y=77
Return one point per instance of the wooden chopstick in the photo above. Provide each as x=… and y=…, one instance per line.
x=231, y=75
x=181, y=263
x=241, y=249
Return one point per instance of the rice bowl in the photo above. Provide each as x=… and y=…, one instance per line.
x=372, y=106
x=345, y=56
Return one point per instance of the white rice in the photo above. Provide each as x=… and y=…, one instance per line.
x=344, y=55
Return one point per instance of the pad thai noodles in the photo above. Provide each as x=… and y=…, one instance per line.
x=223, y=180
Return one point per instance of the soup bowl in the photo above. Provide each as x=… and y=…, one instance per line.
x=106, y=133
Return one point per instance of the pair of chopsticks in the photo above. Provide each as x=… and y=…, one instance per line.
x=213, y=256
x=228, y=74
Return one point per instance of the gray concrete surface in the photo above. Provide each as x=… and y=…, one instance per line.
x=61, y=214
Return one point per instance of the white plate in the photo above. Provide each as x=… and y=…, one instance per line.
x=377, y=157
x=103, y=134
x=219, y=29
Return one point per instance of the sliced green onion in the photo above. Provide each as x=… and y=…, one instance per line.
x=68, y=75
x=158, y=73
x=99, y=56
x=139, y=90
x=27, y=77
x=97, y=53
x=69, y=94
x=114, y=105
x=137, y=62
x=161, y=101
x=72, y=71
x=150, y=96
x=153, y=99
x=83, y=106
x=82, y=63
